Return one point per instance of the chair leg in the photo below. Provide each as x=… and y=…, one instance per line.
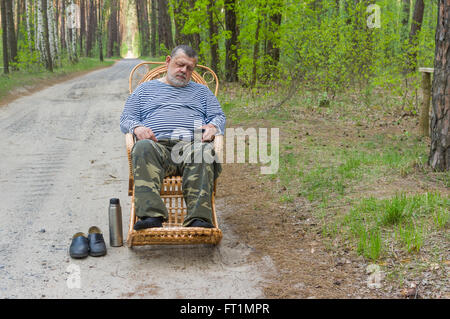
x=132, y=222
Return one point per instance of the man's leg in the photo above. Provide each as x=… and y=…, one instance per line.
x=198, y=182
x=151, y=163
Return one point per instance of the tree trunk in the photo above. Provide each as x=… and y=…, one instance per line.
x=154, y=26
x=82, y=24
x=274, y=26
x=39, y=30
x=57, y=12
x=53, y=35
x=73, y=41
x=416, y=25
x=164, y=26
x=439, y=158
x=48, y=60
x=100, y=29
x=180, y=9
x=28, y=21
x=118, y=31
x=146, y=28
x=4, y=37
x=255, y=54
x=12, y=40
x=112, y=30
x=109, y=36
x=142, y=15
x=90, y=27
x=63, y=24
x=17, y=19
x=213, y=34
x=231, y=44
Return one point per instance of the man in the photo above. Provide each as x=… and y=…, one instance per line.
x=165, y=115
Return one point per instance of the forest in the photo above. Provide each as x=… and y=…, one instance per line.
x=332, y=45
x=329, y=46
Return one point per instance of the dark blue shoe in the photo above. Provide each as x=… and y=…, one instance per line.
x=148, y=222
x=200, y=223
x=79, y=248
x=97, y=246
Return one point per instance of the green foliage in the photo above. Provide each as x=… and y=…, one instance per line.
x=164, y=51
x=326, y=45
x=27, y=56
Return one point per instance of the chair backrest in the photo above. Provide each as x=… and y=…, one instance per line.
x=144, y=72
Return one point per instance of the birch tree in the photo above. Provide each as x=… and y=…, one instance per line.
x=28, y=6
x=46, y=36
x=53, y=37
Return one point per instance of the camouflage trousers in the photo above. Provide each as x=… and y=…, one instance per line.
x=152, y=161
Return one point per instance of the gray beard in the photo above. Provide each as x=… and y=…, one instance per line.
x=176, y=82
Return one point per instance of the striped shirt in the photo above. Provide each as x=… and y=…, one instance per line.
x=172, y=112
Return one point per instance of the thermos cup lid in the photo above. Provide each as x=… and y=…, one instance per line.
x=114, y=201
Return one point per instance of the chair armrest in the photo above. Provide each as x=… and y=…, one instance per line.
x=129, y=140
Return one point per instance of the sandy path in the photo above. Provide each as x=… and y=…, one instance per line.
x=62, y=159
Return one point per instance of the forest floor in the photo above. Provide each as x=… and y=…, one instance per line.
x=285, y=235
x=333, y=159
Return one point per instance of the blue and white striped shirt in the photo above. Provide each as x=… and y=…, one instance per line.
x=172, y=112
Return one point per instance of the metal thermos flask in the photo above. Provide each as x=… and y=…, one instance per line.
x=115, y=223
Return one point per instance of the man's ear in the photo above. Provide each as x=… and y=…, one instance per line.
x=168, y=58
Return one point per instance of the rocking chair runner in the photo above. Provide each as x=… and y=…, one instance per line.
x=172, y=231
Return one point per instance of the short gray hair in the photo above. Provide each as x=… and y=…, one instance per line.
x=189, y=51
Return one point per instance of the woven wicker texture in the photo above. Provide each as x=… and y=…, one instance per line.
x=172, y=231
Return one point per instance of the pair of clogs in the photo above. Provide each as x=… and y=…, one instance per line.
x=92, y=245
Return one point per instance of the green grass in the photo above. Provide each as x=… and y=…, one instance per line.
x=333, y=175
x=15, y=79
x=372, y=223
x=410, y=237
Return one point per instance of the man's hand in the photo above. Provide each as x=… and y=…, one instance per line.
x=209, y=133
x=143, y=133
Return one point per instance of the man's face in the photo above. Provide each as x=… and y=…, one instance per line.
x=180, y=68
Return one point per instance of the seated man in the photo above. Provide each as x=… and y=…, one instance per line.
x=163, y=115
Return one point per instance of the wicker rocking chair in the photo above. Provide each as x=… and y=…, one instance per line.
x=172, y=231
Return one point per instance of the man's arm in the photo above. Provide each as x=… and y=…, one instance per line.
x=215, y=117
x=130, y=118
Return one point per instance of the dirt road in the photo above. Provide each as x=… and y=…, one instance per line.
x=62, y=158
